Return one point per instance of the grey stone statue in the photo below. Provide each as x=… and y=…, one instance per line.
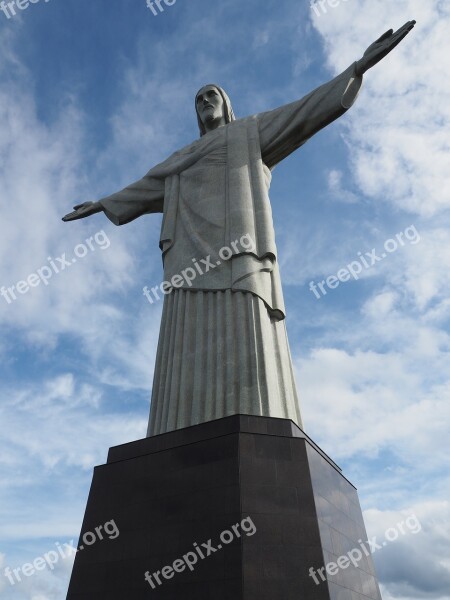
x=223, y=347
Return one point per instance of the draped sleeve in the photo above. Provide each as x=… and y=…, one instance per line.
x=141, y=197
x=283, y=130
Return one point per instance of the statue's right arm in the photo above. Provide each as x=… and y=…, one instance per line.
x=141, y=197
x=285, y=129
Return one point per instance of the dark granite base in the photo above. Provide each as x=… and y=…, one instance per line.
x=172, y=491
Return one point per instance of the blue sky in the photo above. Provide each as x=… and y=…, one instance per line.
x=93, y=94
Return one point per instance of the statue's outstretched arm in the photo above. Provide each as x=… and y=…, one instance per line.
x=141, y=197
x=283, y=130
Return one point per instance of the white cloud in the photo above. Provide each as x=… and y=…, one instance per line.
x=416, y=564
x=43, y=173
x=58, y=420
x=397, y=135
x=335, y=186
x=390, y=383
x=42, y=585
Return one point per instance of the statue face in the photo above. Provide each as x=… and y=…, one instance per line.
x=210, y=107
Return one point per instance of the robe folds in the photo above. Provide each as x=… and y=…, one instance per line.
x=214, y=194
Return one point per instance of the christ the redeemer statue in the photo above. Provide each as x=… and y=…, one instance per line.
x=223, y=347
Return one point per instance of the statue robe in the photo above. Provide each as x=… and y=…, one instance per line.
x=223, y=347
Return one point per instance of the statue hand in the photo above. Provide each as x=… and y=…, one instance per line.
x=382, y=46
x=83, y=210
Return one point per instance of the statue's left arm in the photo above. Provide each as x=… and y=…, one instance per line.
x=285, y=129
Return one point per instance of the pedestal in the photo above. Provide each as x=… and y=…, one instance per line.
x=251, y=507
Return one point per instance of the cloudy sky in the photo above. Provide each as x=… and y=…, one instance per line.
x=93, y=94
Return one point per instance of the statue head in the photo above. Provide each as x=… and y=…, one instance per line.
x=213, y=108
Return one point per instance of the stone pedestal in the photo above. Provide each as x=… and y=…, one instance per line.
x=251, y=502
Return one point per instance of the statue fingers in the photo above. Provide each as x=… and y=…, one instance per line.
x=403, y=31
x=70, y=216
x=81, y=210
x=82, y=205
x=385, y=36
x=409, y=25
x=398, y=37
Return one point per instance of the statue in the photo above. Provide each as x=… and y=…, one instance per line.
x=223, y=347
